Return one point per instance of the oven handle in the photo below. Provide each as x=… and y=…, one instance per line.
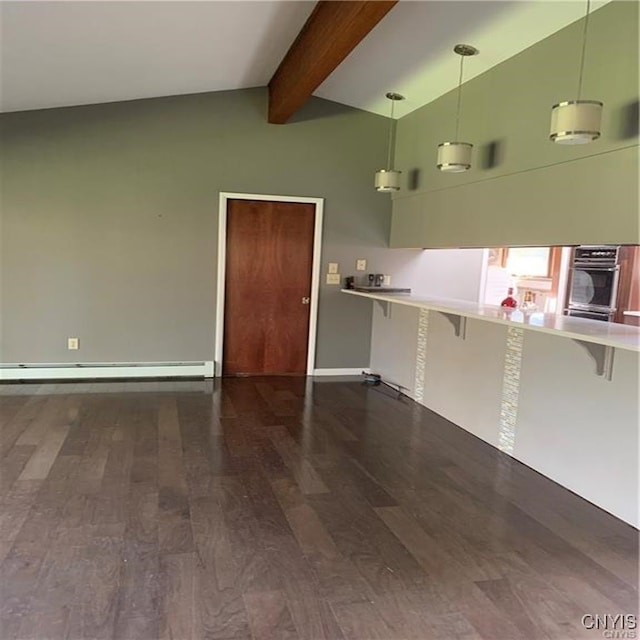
x=596, y=308
x=594, y=267
x=592, y=315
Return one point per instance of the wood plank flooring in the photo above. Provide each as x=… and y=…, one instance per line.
x=285, y=509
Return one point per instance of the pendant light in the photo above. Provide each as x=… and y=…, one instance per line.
x=389, y=179
x=454, y=157
x=577, y=121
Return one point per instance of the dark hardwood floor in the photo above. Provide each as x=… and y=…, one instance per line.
x=283, y=508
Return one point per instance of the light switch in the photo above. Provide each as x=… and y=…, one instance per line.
x=333, y=267
x=333, y=278
x=361, y=265
x=73, y=344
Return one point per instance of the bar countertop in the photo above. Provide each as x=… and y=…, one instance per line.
x=610, y=334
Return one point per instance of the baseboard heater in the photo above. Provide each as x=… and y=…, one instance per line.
x=99, y=370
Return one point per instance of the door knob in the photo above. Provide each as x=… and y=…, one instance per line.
x=306, y=300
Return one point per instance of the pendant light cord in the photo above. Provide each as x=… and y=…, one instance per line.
x=459, y=99
x=390, y=136
x=584, y=49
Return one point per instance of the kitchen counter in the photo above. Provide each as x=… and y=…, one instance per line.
x=605, y=333
x=525, y=384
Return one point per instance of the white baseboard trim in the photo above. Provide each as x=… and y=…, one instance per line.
x=98, y=370
x=341, y=372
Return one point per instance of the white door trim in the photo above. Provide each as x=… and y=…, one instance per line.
x=222, y=261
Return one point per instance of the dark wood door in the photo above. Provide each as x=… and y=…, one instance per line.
x=267, y=287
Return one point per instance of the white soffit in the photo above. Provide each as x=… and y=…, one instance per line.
x=411, y=50
x=61, y=53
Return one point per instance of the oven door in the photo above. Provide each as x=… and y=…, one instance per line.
x=593, y=286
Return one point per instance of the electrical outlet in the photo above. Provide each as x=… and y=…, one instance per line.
x=73, y=344
x=333, y=278
x=386, y=281
x=361, y=265
x=333, y=267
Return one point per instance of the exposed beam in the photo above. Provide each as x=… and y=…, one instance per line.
x=332, y=31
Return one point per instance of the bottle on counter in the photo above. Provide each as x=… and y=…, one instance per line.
x=529, y=303
x=509, y=302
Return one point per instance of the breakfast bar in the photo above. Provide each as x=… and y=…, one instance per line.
x=556, y=392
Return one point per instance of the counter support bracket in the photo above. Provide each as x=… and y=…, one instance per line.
x=459, y=324
x=602, y=355
x=385, y=306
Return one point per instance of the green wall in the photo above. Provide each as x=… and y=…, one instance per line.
x=110, y=219
x=533, y=192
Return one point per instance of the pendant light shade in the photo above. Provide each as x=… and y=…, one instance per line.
x=577, y=121
x=389, y=179
x=455, y=156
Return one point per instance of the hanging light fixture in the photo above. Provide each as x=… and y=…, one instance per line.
x=389, y=179
x=454, y=157
x=577, y=121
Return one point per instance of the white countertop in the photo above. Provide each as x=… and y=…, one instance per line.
x=607, y=333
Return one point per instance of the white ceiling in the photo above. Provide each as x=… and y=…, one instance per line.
x=411, y=50
x=61, y=53
x=68, y=53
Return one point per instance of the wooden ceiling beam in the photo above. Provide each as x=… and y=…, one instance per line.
x=332, y=31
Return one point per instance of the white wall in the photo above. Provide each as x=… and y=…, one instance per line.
x=463, y=377
x=443, y=273
x=449, y=273
x=578, y=428
x=393, y=345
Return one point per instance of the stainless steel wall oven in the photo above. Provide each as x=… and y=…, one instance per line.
x=593, y=286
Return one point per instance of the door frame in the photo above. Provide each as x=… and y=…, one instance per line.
x=225, y=196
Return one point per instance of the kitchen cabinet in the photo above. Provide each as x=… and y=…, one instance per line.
x=628, y=283
x=632, y=318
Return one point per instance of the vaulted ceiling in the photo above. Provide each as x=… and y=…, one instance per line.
x=62, y=53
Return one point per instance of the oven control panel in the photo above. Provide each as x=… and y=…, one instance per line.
x=596, y=255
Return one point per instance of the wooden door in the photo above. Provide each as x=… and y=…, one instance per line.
x=267, y=287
